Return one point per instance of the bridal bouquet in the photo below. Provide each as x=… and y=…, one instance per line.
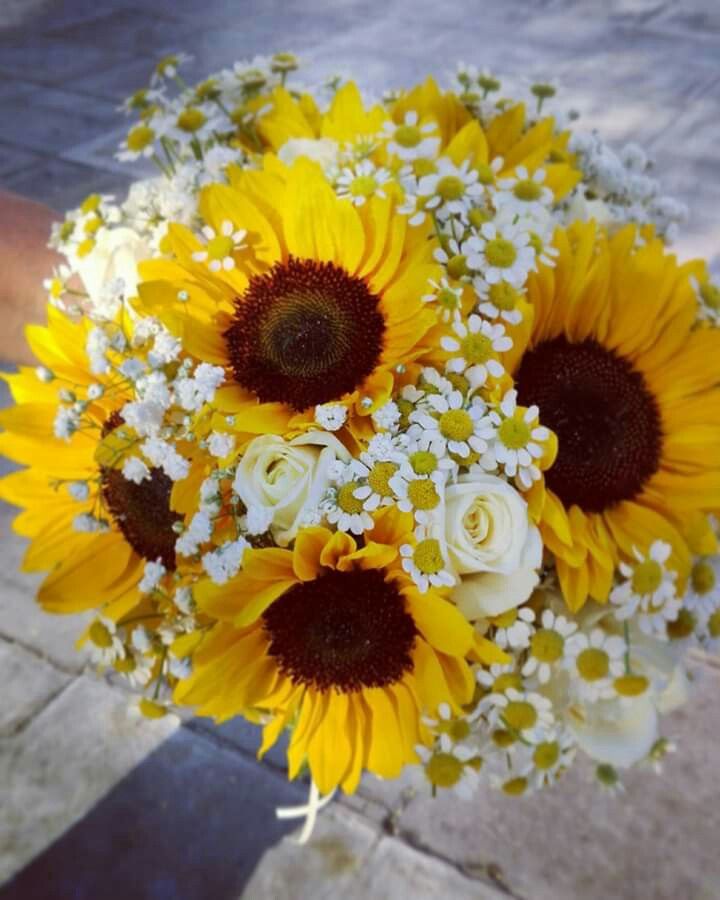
x=392, y=425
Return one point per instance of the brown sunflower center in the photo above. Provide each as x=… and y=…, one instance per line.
x=305, y=333
x=607, y=422
x=344, y=631
x=141, y=511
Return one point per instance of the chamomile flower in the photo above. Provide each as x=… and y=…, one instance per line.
x=525, y=713
x=452, y=424
x=105, y=645
x=450, y=190
x=409, y=140
x=501, y=253
x=377, y=473
x=523, y=194
x=362, y=181
x=474, y=348
x=58, y=284
x=139, y=143
x=648, y=593
x=450, y=766
x=551, y=757
x=424, y=562
x=446, y=299
x=548, y=646
x=135, y=667
x=419, y=494
x=519, y=442
x=703, y=593
x=514, y=628
x=594, y=661
x=498, y=301
x=219, y=249
x=342, y=508
x=499, y=677
x=708, y=631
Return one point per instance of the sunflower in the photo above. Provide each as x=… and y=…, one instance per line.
x=333, y=639
x=421, y=113
x=321, y=303
x=631, y=387
x=89, y=528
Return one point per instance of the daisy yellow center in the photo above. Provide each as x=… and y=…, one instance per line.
x=631, y=685
x=500, y=253
x=140, y=137
x=456, y=425
x=379, y=478
x=450, y=187
x=606, y=420
x=126, y=665
x=90, y=203
x=92, y=224
x=503, y=295
x=710, y=294
x=527, y=190
x=443, y=770
x=457, y=729
x=647, y=577
x=305, y=333
x=423, y=462
x=220, y=247
x=713, y=625
x=506, y=681
x=593, y=664
x=476, y=348
x=422, y=494
x=547, y=645
x=448, y=299
x=191, y=120
x=515, y=786
x=535, y=242
x=546, y=755
x=520, y=715
x=703, y=577
x=427, y=556
x=457, y=266
x=485, y=174
x=363, y=186
x=344, y=631
x=682, y=627
x=100, y=635
x=408, y=136
x=514, y=433
x=503, y=738
x=346, y=500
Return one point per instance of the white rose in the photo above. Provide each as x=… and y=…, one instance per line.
x=116, y=254
x=491, y=543
x=320, y=150
x=619, y=733
x=287, y=478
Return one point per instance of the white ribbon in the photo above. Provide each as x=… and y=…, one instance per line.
x=308, y=812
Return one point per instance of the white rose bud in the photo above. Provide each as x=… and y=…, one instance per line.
x=491, y=544
x=288, y=478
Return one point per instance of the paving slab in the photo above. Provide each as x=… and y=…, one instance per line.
x=658, y=840
x=348, y=857
x=28, y=684
x=69, y=756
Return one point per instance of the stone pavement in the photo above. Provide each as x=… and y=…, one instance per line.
x=107, y=806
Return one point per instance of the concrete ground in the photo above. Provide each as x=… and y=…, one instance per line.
x=95, y=804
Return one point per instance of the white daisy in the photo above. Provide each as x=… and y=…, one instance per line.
x=474, y=349
x=501, y=253
x=409, y=140
x=703, y=593
x=594, y=661
x=449, y=191
x=361, y=182
x=219, y=248
x=342, y=508
x=548, y=646
x=377, y=474
x=419, y=494
x=518, y=443
x=424, y=562
x=447, y=300
x=649, y=592
x=523, y=194
x=452, y=424
x=525, y=713
x=448, y=766
x=104, y=644
x=498, y=301
x=514, y=628
x=551, y=757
